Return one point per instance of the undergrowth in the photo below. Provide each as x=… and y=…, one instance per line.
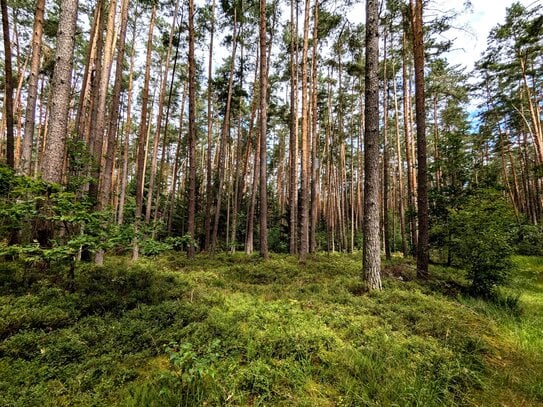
x=233, y=330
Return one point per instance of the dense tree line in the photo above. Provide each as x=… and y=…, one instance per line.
x=312, y=133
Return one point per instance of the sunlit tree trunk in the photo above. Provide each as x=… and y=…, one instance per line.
x=314, y=135
x=408, y=148
x=401, y=200
x=32, y=91
x=293, y=137
x=127, y=131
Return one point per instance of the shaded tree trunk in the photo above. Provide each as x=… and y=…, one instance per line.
x=422, y=173
x=142, y=137
x=305, y=176
x=8, y=79
x=209, y=194
x=371, y=253
x=263, y=94
x=192, y=134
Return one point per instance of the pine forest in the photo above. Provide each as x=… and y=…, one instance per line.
x=271, y=202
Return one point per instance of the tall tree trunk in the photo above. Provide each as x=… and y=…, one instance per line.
x=127, y=130
x=89, y=76
x=158, y=130
x=422, y=173
x=224, y=140
x=305, y=176
x=165, y=157
x=263, y=94
x=293, y=135
x=142, y=136
x=59, y=98
x=314, y=135
x=209, y=194
x=401, y=200
x=31, y=98
x=386, y=223
x=175, y=171
x=98, y=136
x=8, y=79
x=107, y=174
x=191, y=227
x=371, y=253
x=408, y=149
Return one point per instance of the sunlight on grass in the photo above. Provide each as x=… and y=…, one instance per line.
x=234, y=330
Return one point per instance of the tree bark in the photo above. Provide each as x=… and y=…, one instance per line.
x=209, y=187
x=293, y=135
x=386, y=223
x=422, y=173
x=314, y=135
x=192, y=135
x=32, y=93
x=142, y=136
x=262, y=133
x=107, y=173
x=305, y=176
x=224, y=140
x=371, y=253
x=53, y=157
x=8, y=79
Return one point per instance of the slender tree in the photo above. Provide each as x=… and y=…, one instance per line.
x=263, y=121
x=142, y=136
x=191, y=227
x=422, y=172
x=8, y=79
x=371, y=253
x=32, y=92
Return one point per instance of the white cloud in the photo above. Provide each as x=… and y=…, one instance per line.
x=470, y=38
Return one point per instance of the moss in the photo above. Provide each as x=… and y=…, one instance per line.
x=248, y=332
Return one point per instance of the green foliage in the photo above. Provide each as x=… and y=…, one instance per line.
x=235, y=330
x=482, y=240
x=529, y=240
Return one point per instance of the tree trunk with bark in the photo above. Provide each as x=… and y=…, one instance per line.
x=371, y=253
x=191, y=227
x=263, y=94
x=8, y=79
x=32, y=92
x=59, y=98
x=422, y=173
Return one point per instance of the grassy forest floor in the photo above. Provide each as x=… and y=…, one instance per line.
x=232, y=330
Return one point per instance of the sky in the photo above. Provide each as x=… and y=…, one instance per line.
x=471, y=27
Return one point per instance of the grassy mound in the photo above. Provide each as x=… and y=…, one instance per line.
x=232, y=330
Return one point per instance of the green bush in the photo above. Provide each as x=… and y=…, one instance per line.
x=529, y=240
x=482, y=240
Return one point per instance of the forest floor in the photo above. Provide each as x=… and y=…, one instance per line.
x=233, y=330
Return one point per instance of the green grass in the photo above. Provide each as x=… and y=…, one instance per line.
x=233, y=330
